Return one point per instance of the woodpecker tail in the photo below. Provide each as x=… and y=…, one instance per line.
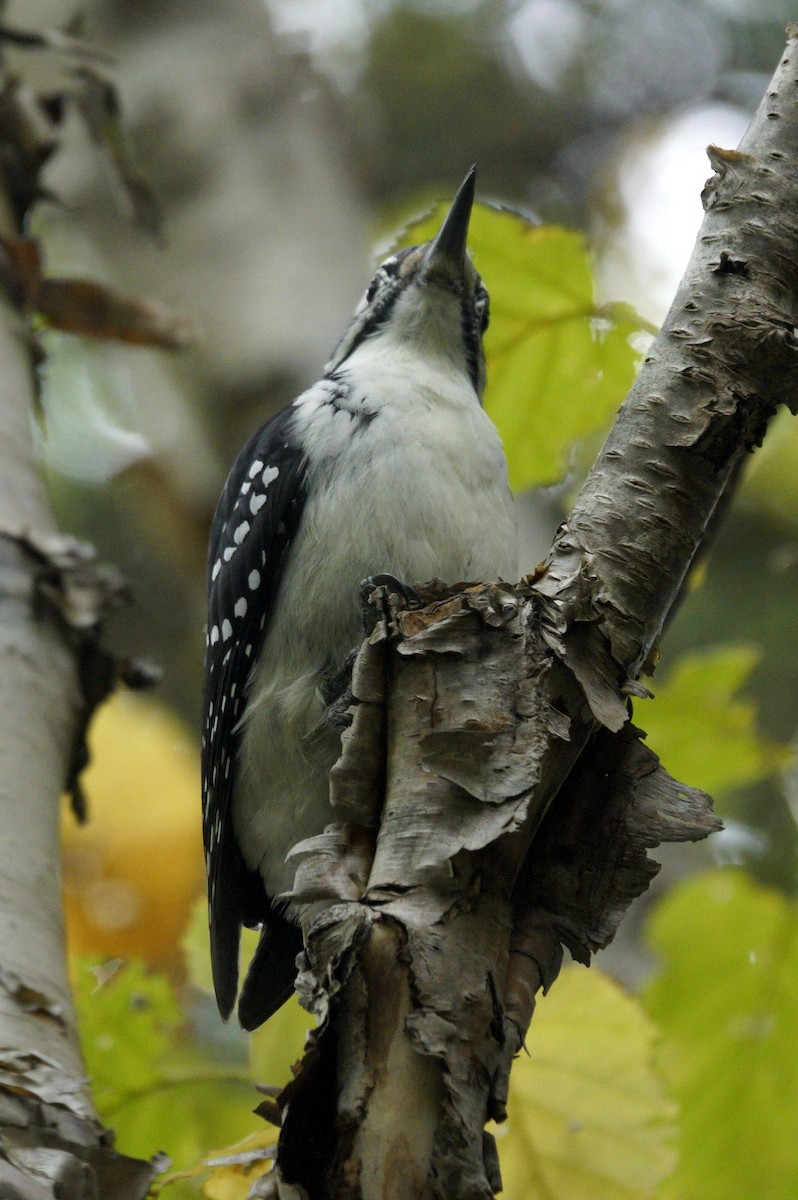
x=270, y=978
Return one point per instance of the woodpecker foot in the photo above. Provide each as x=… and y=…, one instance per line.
x=391, y=584
x=336, y=692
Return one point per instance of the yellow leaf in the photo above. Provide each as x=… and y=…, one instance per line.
x=559, y=363
x=588, y=1115
x=228, y=1174
x=726, y=1001
x=132, y=873
x=701, y=693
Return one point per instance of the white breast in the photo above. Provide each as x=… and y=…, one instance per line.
x=407, y=476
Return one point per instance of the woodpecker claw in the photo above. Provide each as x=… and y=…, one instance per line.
x=392, y=584
x=336, y=692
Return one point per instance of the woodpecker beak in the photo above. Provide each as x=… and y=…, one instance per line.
x=448, y=251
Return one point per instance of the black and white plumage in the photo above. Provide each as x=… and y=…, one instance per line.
x=387, y=465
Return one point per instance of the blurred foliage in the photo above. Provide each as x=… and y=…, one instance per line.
x=132, y=873
x=225, y=1174
x=726, y=1000
x=559, y=364
x=536, y=91
x=588, y=1113
x=128, y=1019
x=772, y=480
x=750, y=594
x=157, y=1084
x=703, y=732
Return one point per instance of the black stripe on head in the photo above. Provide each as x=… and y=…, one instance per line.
x=389, y=281
x=474, y=318
x=472, y=346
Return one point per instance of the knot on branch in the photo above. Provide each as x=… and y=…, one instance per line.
x=731, y=179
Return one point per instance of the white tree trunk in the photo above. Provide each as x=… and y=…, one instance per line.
x=52, y=1144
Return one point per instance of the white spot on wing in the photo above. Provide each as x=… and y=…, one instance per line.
x=254, y=580
x=227, y=629
x=257, y=502
x=240, y=608
x=217, y=566
x=241, y=532
x=229, y=552
x=214, y=635
x=256, y=466
x=269, y=474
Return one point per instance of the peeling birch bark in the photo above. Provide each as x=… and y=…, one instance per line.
x=52, y=672
x=493, y=802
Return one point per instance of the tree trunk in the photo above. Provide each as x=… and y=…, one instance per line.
x=52, y=1143
x=492, y=747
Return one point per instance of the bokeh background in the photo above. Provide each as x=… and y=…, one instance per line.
x=285, y=140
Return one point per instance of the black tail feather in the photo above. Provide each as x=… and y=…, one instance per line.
x=270, y=978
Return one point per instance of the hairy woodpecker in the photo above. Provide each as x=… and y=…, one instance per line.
x=387, y=464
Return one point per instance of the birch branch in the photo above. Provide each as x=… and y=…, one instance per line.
x=493, y=802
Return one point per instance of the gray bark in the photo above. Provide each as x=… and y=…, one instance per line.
x=493, y=801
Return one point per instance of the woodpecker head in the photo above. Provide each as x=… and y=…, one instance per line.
x=428, y=299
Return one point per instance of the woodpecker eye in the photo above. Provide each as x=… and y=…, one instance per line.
x=482, y=307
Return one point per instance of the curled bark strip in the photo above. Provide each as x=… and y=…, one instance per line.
x=56, y=573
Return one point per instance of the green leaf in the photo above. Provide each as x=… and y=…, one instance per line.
x=771, y=481
x=186, y=1117
x=559, y=365
x=157, y=1086
x=127, y=1022
x=277, y=1045
x=703, y=732
x=589, y=1118
x=726, y=998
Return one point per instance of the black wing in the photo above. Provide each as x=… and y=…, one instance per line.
x=251, y=535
